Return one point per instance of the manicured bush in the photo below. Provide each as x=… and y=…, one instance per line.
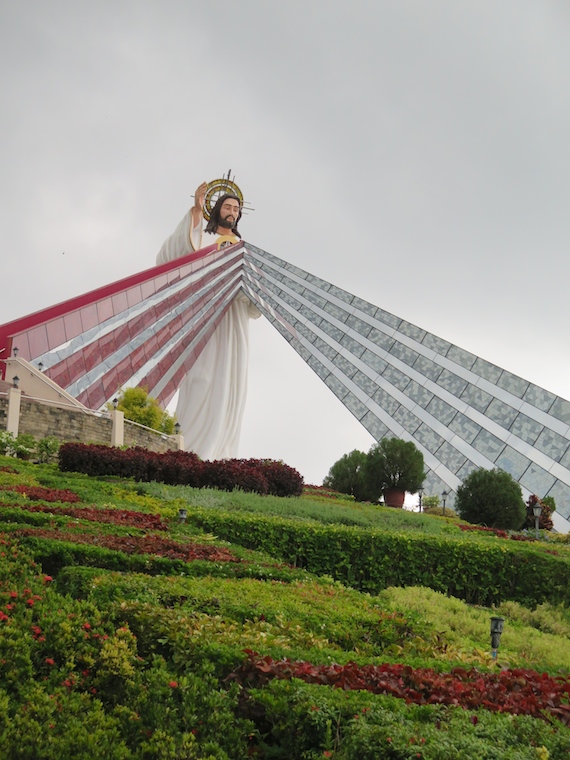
x=491, y=498
x=346, y=475
x=182, y=468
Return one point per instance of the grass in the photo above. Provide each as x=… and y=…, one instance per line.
x=92, y=661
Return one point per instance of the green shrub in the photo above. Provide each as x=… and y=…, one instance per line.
x=481, y=572
x=491, y=498
x=346, y=475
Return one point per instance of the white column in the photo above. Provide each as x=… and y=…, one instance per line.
x=13, y=420
x=179, y=441
x=118, y=432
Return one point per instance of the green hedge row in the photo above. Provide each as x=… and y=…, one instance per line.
x=61, y=558
x=370, y=560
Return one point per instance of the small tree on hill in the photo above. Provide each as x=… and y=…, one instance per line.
x=491, y=498
x=393, y=464
x=139, y=407
x=345, y=476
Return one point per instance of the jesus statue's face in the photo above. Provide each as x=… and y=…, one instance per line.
x=229, y=213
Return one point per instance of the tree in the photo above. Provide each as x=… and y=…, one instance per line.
x=345, y=476
x=393, y=464
x=139, y=407
x=491, y=498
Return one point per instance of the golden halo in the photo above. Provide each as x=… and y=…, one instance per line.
x=215, y=189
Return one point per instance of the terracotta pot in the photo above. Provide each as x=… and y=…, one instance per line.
x=394, y=497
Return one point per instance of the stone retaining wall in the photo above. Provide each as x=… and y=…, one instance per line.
x=42, y=420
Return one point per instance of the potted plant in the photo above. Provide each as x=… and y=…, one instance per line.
x=393, y=467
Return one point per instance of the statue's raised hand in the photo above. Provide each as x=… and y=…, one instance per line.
x=199, y=196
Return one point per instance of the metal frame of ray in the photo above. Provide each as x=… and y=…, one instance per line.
x=461, y=411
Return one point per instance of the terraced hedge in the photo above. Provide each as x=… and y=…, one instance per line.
x=370, y=560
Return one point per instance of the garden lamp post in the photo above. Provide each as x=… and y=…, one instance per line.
x=177, y=428
x=182, y=515
x=444, y=495
x=420, y=494
x=15, y=351
x=537, y=511
x=115, y=403
x=15, y=381
x=497, y=624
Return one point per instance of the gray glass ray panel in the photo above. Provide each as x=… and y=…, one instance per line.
x=462, y=400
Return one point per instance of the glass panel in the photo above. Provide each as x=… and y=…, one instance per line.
x=502, y=413
x=412, y=331
x=381, y=339
x=450, y=457
x=119, y=301
x=336, y=311
x=89, y=317
x=512, y=462
x=375, y=427
x=38, y=341
x=429, y=369
x=441, y=410
x=526, y=428
x=487, y=370
x=55, y=333
x=539, y=397
x=394, y=376
x=354, y=405
x=428, y=438
x=104, y=309
x=488, y=445
x=352, y=345
x=515, y=385
x=537, y=480
x=365, y=383
x=134, y=295
x=386, y=401
x=358, y=325
x=461, y=357
x=338, y=388
x=476, y=397
x=404, y=353
x=452, y=382
x=341, y=294
x=418, y=393
x=73, y=325
x=561, y=410
x=552, y=444
x=436, y=344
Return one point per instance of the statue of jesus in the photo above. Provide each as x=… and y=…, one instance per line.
x=212, y=396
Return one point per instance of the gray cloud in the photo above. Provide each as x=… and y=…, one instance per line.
x=414, y=153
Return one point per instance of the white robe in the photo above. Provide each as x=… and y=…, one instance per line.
x=212, y=395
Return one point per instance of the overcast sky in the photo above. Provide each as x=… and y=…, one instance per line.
x=413, y=152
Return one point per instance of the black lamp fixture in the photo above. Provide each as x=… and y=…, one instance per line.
x=115, y=402
x=15, y=351
x=420, y=494
x=182, y=515
x=15, y=381
x=41, y=366
x=497, y=624
x=177, y=428
x=444, y=495
x=537, y=511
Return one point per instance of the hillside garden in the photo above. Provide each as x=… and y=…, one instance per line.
x=140, y=619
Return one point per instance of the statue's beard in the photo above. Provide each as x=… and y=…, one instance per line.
x=226, y=223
